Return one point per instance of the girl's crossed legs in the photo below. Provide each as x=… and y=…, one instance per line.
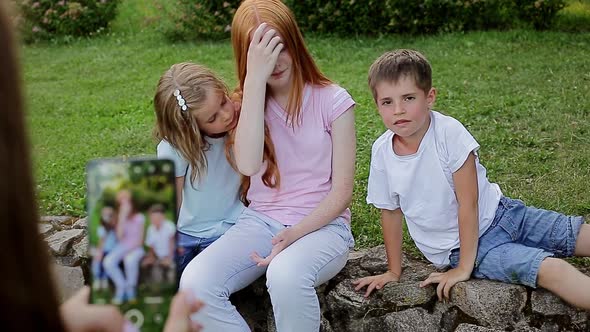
x=226, y=267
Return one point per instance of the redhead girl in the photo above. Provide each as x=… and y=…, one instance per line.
x=295, y=140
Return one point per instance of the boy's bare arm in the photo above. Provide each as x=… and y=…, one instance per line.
x=466, y=190
x=391, y=223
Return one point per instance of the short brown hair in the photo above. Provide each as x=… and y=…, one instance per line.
x=397, y=64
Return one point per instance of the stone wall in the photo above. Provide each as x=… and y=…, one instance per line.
x=476, y=305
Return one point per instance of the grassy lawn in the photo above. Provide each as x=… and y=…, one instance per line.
x=524, y=95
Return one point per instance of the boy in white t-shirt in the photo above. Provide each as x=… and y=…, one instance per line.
x=159, y=241
x=425, y=168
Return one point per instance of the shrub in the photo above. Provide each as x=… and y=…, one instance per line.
x=400, y=16
x=44, y=19
x=540, y=13
x=199, y=19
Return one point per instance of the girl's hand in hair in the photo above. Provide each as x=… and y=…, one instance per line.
x=263, y=52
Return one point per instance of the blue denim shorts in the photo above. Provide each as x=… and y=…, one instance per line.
x=519, y=239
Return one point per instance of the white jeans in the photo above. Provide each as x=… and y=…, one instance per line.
x=226, y=267
x=130, y=258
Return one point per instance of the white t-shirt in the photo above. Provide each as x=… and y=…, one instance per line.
x=159, y=239
x=422, y=185
x=211, y=204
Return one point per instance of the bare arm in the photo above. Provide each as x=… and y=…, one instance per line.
x=465, y=180
x=249, y=141
x=391, y=223
x=343, y=160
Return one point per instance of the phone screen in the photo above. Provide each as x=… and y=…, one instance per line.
x=131, y=206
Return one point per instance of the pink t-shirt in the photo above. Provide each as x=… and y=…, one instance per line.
x=304, y=155
x=133, y=231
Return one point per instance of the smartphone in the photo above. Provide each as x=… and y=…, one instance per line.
x=131, y=206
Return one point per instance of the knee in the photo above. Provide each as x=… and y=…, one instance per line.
x=109, y=263
x=205, y=286
x=551, y=271
x=282, y=277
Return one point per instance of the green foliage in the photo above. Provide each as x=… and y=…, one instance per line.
x=198, y=19
x=540, y=13
x=371, y=17
x=45, y=19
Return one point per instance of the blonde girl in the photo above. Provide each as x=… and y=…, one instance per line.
x=193, y=115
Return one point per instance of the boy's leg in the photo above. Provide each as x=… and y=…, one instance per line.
x=293, y=274
x=561, y=278
x=226, y=267
x=548, y=230
x=583, y=243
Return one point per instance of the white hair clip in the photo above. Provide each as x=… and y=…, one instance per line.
x=180, y=100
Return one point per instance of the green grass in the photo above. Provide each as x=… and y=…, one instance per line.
x=524, y=95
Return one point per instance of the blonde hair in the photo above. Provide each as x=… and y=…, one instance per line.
x=397, y=64
x=304, y=70
x=178, y=127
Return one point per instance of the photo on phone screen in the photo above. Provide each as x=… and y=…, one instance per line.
x=131, y=206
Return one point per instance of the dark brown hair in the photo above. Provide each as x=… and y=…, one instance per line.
x=27, y=295
x=393, y=65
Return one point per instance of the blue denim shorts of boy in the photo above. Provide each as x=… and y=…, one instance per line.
x=519, y=239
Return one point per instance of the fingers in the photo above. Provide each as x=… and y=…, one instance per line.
x=447, y=290
x=266, y=38
x=274, y=43
x=277, y=50
x=375, y=284
x=259, y=260
x=360, y=283
x=432, y=279
x=258, y=33
x=439, y=289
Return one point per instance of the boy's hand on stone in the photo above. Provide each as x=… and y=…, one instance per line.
x=281, y=241
x=375, y=282
x=445, y=281
x=263, y=52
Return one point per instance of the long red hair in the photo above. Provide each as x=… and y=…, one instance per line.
x=304, y=70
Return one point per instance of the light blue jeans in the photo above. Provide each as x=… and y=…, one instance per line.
x=226, y=267
x=124, y=284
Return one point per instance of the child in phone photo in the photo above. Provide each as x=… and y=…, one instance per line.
x=160, y=242
x=107, y=240
x=194, y=114
x=129, y=249
x=426, y=168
